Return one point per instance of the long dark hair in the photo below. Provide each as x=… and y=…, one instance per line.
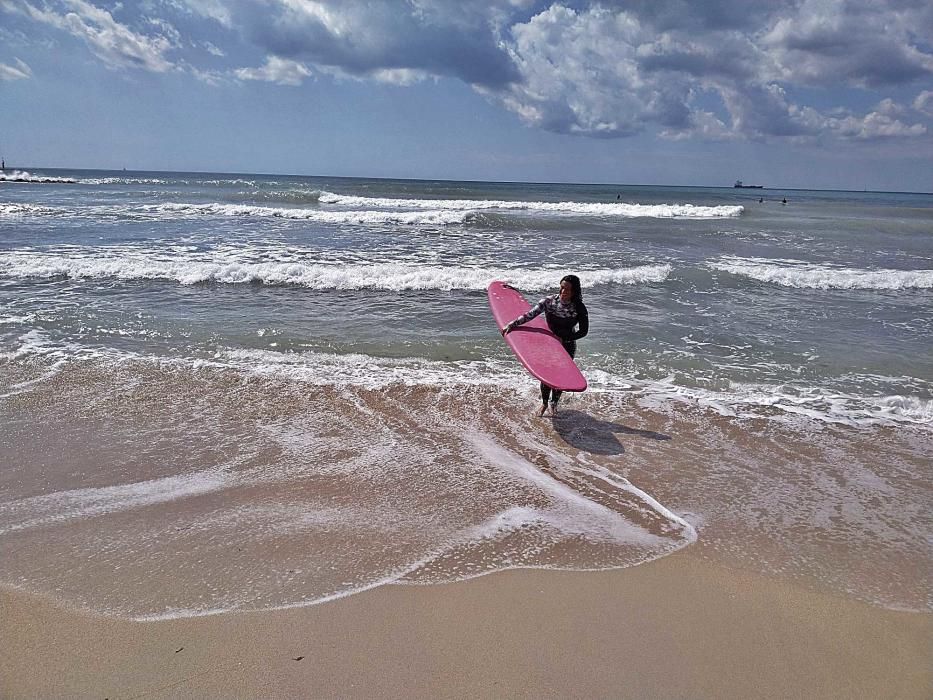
x=574, y=283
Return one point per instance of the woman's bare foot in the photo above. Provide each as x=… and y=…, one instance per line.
x=542, y=410
x=553, y=408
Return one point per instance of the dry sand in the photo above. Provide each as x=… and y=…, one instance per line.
x=679, y=627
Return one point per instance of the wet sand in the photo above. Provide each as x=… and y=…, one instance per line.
x=677, y=627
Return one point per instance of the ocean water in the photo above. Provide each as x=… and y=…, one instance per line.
x=224, y=392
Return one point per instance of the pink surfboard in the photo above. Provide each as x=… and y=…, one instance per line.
x=533, y=343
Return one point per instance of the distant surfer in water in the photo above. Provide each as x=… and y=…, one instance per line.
x=563, y=312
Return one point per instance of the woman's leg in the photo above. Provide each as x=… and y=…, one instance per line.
x=545, y=394
x=555, y=397
x=571, y=347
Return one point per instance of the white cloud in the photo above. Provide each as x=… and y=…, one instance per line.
x=858, y=42
x=579, y=73
x=213, y=50
x=711, y=70
x=704, y=125
x=18, y=72
x=276, y=70
x=879, y=124
x=610, y=72
x=399, y=76
x=113, y=43
x=216, y=10
x=209, y=77
x=924, y=102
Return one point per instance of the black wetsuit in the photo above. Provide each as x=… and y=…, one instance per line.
x=562, y=319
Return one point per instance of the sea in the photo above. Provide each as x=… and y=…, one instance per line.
x=229, y=392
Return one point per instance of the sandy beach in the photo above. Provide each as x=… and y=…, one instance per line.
x=680, y=627
x=260, y=437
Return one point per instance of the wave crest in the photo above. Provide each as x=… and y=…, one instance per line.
x=623, y=209
x=802, y=275
x=23, y=176
x=314, y=275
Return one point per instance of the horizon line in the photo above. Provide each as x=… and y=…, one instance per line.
x=444, y=179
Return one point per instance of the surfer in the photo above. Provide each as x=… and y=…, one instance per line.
x=563, y=312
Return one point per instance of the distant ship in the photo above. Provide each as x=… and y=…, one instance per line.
x=738, y=183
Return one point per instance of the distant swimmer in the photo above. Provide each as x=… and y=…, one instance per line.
x=619, y=197
x=784, y=201
x=761, y=200
x=2, y=165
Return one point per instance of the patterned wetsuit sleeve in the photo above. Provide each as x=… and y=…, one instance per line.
x=531, y=313
x=583, y=319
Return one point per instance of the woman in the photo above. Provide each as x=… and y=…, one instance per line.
x=563, y=312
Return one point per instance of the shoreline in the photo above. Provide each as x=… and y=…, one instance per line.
x=680, y=626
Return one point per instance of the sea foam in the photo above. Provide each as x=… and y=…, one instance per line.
x=802, y=275
x=364, y=211
x=89, y=502
x=622, y=209
x=23, y=176
x=362, y=217
x=139, y=265
x=776, y=402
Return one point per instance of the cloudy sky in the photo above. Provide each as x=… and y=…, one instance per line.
x=787, y=93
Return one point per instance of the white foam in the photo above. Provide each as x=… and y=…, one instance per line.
x=26, y=386
x=437, y=217
x=799, y=274
x=225, y=268
x=571, y=512
x=17, y=319
x=762, y=401
x=371, y=211
x=126, y=181
x=23, y=176
x=614, y=209
x=815, y=403
x=24, y=210
x=329, y=369
x=89, y=502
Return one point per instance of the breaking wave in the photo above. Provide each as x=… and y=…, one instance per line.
x=373, y=211
x=78, y=264
x=802, y=275
x=23, y=176
x=363, y=217
x=623, y=209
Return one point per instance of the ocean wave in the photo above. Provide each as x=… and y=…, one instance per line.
x=622, y=209
x=802, y=275
x=160, y=212
x=370, y=211
x=183, y=182
x=288, y=196
x=77, y=264
x=782, y=403
x=23, y=176
x=126, y=181
x=366, y=217
x=24, y=210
